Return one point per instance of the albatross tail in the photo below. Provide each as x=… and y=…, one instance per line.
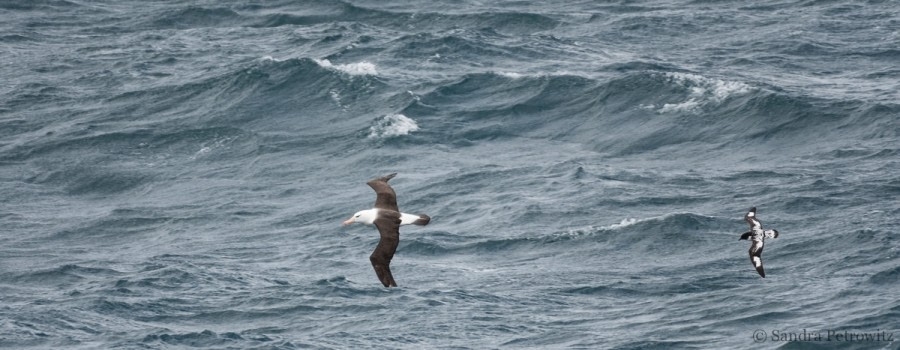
x=424, y=220
x=414, y=219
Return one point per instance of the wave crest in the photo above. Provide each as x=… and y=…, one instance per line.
x=358, y=68
x=702, y=91
x=392, y=125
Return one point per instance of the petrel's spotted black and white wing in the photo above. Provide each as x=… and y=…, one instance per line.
x=756, y=249
x=751, y=219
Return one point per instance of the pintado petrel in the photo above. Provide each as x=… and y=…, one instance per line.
x=757, y=237
x=387, y=218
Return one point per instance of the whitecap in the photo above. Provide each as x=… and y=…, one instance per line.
x=511, y=75
x=625, y=223
x=335, y=96
x=717, y=89
x=202, y=152
x=686, y=106
x=594, y=230
x=359, y=68
x=703, y=91
x=392, y=125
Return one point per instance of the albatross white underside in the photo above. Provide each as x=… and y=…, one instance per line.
x=368, y=217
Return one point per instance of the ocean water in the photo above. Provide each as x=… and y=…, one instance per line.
x=173, y=175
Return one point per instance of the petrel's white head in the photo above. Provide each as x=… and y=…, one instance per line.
x=363, y=217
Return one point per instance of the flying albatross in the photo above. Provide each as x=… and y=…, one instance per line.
x=387, y=218
x=757, y=238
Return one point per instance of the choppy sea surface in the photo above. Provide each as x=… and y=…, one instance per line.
x=173, y=175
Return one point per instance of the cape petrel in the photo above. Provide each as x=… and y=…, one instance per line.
x=757, y=237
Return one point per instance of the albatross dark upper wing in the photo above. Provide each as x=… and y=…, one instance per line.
x=388, y=224
x=751, y=219
x=386, y=197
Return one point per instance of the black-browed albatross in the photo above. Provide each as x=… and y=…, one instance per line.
x=757, y=238
x=387, y=218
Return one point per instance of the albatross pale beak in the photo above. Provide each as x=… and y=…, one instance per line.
x=347, y=222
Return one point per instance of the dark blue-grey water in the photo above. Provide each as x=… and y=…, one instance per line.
x=173, y=174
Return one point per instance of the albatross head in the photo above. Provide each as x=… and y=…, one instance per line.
x=362, y=217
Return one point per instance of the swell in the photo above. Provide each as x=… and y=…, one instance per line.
x=634, y=111
x=674, y=233
x=505, y=22
x=62, y=275
x=39, y=5
x=195, y=17
x=129, y=161
x=329, y=12
x=640, y=111
x=205, y=338
x=188, y=117
x=456, y=47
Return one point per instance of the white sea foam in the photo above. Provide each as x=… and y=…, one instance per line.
x=335, y=96
x=392, y=125
x=359, y=68
x=517, y=75
x=511, y=75
x=202, y=152
x=686, y=106
x=624, y=223
x=717, y=89
x=703, y=91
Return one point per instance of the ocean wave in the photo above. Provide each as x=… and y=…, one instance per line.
x=87, y=180
x=505, y=22
x=459, y=48
x=43, y=5
x=62, y=275
x=647, y=288
x=670, y=225
x=519, y=105
x=392, y=125
x=668, y=233
x=596, y=110
x=196, y=17
x=703, y=91
x=618, y=290
x=359, y=68
x=480, y=107
x=206, y=338
x=164, y=278
x=15, y=38
x=173, y=174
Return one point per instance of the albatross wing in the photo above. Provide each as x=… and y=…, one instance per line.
x=386, y=197
x=388, y=224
